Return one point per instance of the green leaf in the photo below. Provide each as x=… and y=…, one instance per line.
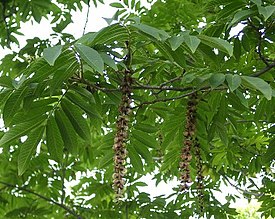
x=89, y=108
x=233, y=81
x=266, y=11
x=217, y=161
x=146, y=139
x=237, y=48
x=91, y=56
x=67, y=131
x=28, y=149
x=175, y=42
x=257, y=2
x=54, y=140
x=6, y=81
x=76, y=118
x=143, y=151
x=216, y=80
x=114, y=32
x=13, y=104
x=135, y=160
x=116, y=5
x=177, y=56
x=63, y=74
x=217, y=43
x=259, y=84
x=52, y=53
x=241, y=15
x=84, y=93
x=146, y=128
x=152, y=31
x=106, y=160
x=191, y=41
x=21, y=129
x=109, y=61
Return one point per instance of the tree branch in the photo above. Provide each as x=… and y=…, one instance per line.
x=149, y=87
x=242, y=190
x=87, y=18
x=264, y=70
x=165, y=99
x=67, y=209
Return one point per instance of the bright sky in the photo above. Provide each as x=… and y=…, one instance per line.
x=95, y=23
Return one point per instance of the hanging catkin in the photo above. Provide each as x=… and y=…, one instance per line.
x=121, y=137
x=189, y=132
x=199, y=175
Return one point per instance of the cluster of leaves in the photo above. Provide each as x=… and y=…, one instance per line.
x=60, y=109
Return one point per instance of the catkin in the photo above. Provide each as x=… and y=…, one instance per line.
x=119, y=147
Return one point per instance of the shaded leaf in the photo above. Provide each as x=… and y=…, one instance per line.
x=135, y=159
x=144, y=138
x=152, y=31
x=89, y=108
x=67, y=131
x=76, y=118
x=109, y=61
x=21, y=129
x=216, y=80
x=54, y=140
x=28, y=148
x=13, y=104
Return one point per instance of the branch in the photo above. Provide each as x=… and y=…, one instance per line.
x=149, y=87
x=165, y=99
x=42, y=197
x=173, y=79
x=242, y=190
x=264, y=70
x=87, y=18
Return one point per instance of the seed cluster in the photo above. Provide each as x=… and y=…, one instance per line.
x=121, y=137
x=189, y=132
x=199, y=174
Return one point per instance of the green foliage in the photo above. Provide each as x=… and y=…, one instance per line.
x=59, y=104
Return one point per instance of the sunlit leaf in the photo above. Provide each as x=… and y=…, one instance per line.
x=259, y=84
x=233, y=81
x=91, y=56
x=51, y=54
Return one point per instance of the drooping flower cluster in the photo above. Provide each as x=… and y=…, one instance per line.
x=199, y=174
x=121, y=137
x=189, y=132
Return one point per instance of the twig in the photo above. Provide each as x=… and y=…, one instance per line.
x=172, y=80
x=165, y=99
x=149, y=87
x=242, y=190
x=259, y=45
x=87, y=18
x=70, y=211
x=264, y=70
x=63, y=174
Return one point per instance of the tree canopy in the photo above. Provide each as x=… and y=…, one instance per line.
x=181, y=89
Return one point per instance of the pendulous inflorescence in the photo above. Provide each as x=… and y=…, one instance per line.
x=120, y=151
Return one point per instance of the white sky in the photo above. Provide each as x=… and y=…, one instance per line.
x=95, y=23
